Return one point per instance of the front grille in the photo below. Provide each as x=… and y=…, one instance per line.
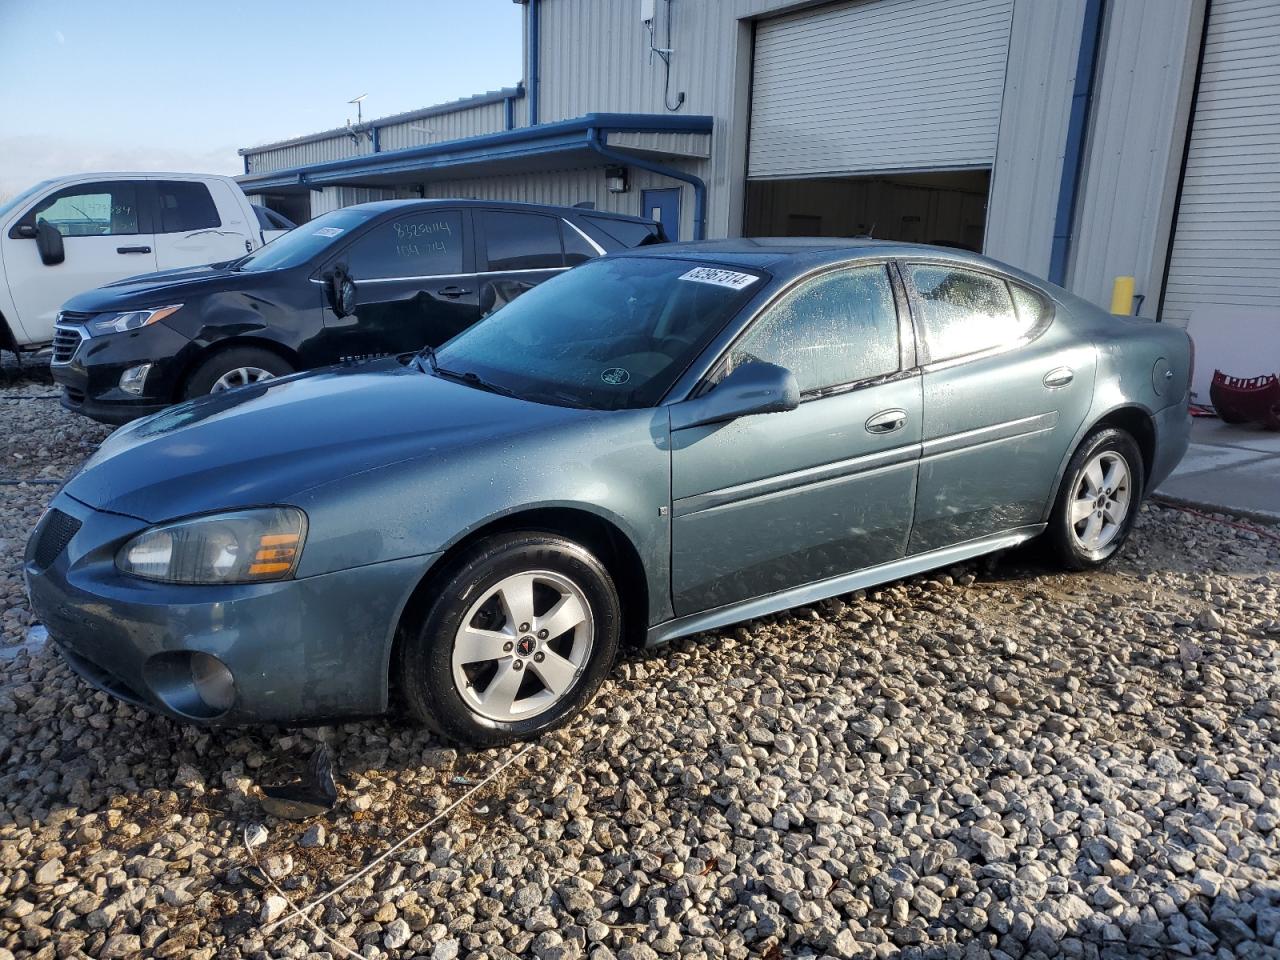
x=52, y=537
x=66, y=341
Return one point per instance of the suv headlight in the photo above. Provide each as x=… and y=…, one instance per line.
x=248, y=546
x=131, y=319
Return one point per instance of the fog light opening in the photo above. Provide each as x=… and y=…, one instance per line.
x=191, y=683
x=134, y=379
x=213, y=682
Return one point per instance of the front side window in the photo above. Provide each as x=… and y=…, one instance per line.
x=611, y=334
x=837, y=328
x=185, y=206
x=426, y=244
x=91, y=210
x=521, y=241
x=963, y=312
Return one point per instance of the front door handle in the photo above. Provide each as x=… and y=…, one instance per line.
x=1059, y=377
x=453, y=292
x=133, y=249
x=887, y=421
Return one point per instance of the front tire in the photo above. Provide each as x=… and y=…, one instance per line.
x=523, y=630
x=1098, y=501
x=237, y=367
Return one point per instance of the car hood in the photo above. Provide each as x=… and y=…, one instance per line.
x=266, y=443
x=162, y=288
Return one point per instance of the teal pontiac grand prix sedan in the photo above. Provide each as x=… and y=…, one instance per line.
x=656, y=443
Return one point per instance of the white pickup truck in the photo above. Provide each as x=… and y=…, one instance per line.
x=71, y=234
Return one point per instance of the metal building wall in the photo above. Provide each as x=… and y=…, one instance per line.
x=334, y=198
x=1141, y=105
x=487, y=118
x=313, y=151
x=1039, y=81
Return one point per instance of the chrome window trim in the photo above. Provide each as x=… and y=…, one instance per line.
x=600, y=251
x=922, y=345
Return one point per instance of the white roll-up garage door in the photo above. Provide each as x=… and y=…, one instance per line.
x=878, y=85
x=1224, y=275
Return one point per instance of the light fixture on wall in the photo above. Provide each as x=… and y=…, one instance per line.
x=615, y=178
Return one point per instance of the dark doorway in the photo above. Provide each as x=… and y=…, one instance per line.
x=947, y=207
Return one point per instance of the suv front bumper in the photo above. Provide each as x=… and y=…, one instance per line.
x=90, y=376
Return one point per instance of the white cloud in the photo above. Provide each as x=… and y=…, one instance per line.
x=58, y=35
x=33, y=158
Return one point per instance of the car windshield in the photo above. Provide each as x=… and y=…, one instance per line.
x=303, y=243
x=611, y=334
x=23, y=197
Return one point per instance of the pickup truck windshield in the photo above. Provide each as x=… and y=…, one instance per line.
x=302, y=243
x=611, y=334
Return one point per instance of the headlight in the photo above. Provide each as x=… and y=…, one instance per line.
x=131, y=319
x=249, y=546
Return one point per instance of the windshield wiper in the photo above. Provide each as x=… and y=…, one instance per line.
x=473, y=379
x=430, y=353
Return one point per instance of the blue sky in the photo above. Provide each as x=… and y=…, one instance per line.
x=138, y=84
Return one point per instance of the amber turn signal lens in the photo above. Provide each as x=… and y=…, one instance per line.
x=276, y=553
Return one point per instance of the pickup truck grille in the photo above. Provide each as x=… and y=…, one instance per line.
x=66, y=341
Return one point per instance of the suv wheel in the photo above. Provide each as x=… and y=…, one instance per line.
x=524, y=629
x=236, y=367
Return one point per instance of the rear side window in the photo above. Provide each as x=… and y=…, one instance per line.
x=963, y=312
x=577, y=249
x=418, y=245
x=835, y=329
x=521, y=241
x=108, y=209
x=627, y=232
x=185, y=206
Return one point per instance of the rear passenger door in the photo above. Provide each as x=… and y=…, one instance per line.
x=191, y=229
x=1005, y=390
x=519, y=251
x=415, y=283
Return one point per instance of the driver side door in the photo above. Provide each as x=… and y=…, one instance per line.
x=772, y=501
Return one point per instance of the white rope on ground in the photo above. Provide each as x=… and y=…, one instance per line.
x=296, y=911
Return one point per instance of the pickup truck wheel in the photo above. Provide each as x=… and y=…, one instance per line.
x=1099, y=500
x=236, y=367
x=524, y=629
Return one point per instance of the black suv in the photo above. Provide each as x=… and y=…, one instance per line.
x=365, y=281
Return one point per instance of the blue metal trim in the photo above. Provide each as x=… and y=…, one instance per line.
x=534, y=45
x=509, y=114
x=246, y=164
x=376, y=136
x=523, y=141
x=1077, y=126
x=595, y=139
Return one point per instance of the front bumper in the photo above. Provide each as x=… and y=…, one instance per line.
x=90, y=379
x=309, y=650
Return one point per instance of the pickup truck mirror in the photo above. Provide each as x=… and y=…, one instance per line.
x=751, y=388
x=340, y=291
x=49, y=243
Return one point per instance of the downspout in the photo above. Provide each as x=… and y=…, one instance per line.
x=1077, y=127
x=375, y=136
x=246, y=164
x=534, y=45
x=595, y=139
x=509, y=112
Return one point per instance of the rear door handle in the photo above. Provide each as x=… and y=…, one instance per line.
x=1059, y=377
x=453, y=292
x=133, y=249
x=887, y=421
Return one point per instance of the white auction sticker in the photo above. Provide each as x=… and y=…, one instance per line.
x=721, y=278
x=328, y=231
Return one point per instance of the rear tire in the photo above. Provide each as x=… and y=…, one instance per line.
x=1098, y=501
x=524, y=628
x=237, y=367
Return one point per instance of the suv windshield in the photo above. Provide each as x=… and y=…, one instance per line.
x=610, y=334
x=301, y=244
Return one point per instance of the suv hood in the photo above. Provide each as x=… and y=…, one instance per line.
x=266, y=443
x=166, y=286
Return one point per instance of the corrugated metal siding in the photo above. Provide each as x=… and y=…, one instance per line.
x=1141, y=100
x=333, y=198
x=1039, y=81
x=488, y=118
x=887, y=86
x=1227, y=247
x=680, y=144
x=301, y=154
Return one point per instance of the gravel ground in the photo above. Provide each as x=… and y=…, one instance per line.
x=997, y=760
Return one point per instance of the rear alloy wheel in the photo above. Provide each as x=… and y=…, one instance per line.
x=1098, y=501
x=523, y=630
x=237, y=367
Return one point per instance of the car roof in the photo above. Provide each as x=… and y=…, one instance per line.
x=786, y=256
x=556, y=210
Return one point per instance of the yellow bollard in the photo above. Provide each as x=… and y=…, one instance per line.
x=1122, y=296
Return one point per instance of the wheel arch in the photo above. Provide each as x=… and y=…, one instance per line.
x=593, y=530
x=222, y=346
x=1133, y=418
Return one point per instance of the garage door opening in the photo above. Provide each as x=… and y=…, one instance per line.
x=947, y=208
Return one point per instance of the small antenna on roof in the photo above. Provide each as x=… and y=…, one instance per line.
x=359, y=111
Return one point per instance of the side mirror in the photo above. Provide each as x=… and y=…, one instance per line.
x=340, y=291
x=752, y=388
x=49, y=243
